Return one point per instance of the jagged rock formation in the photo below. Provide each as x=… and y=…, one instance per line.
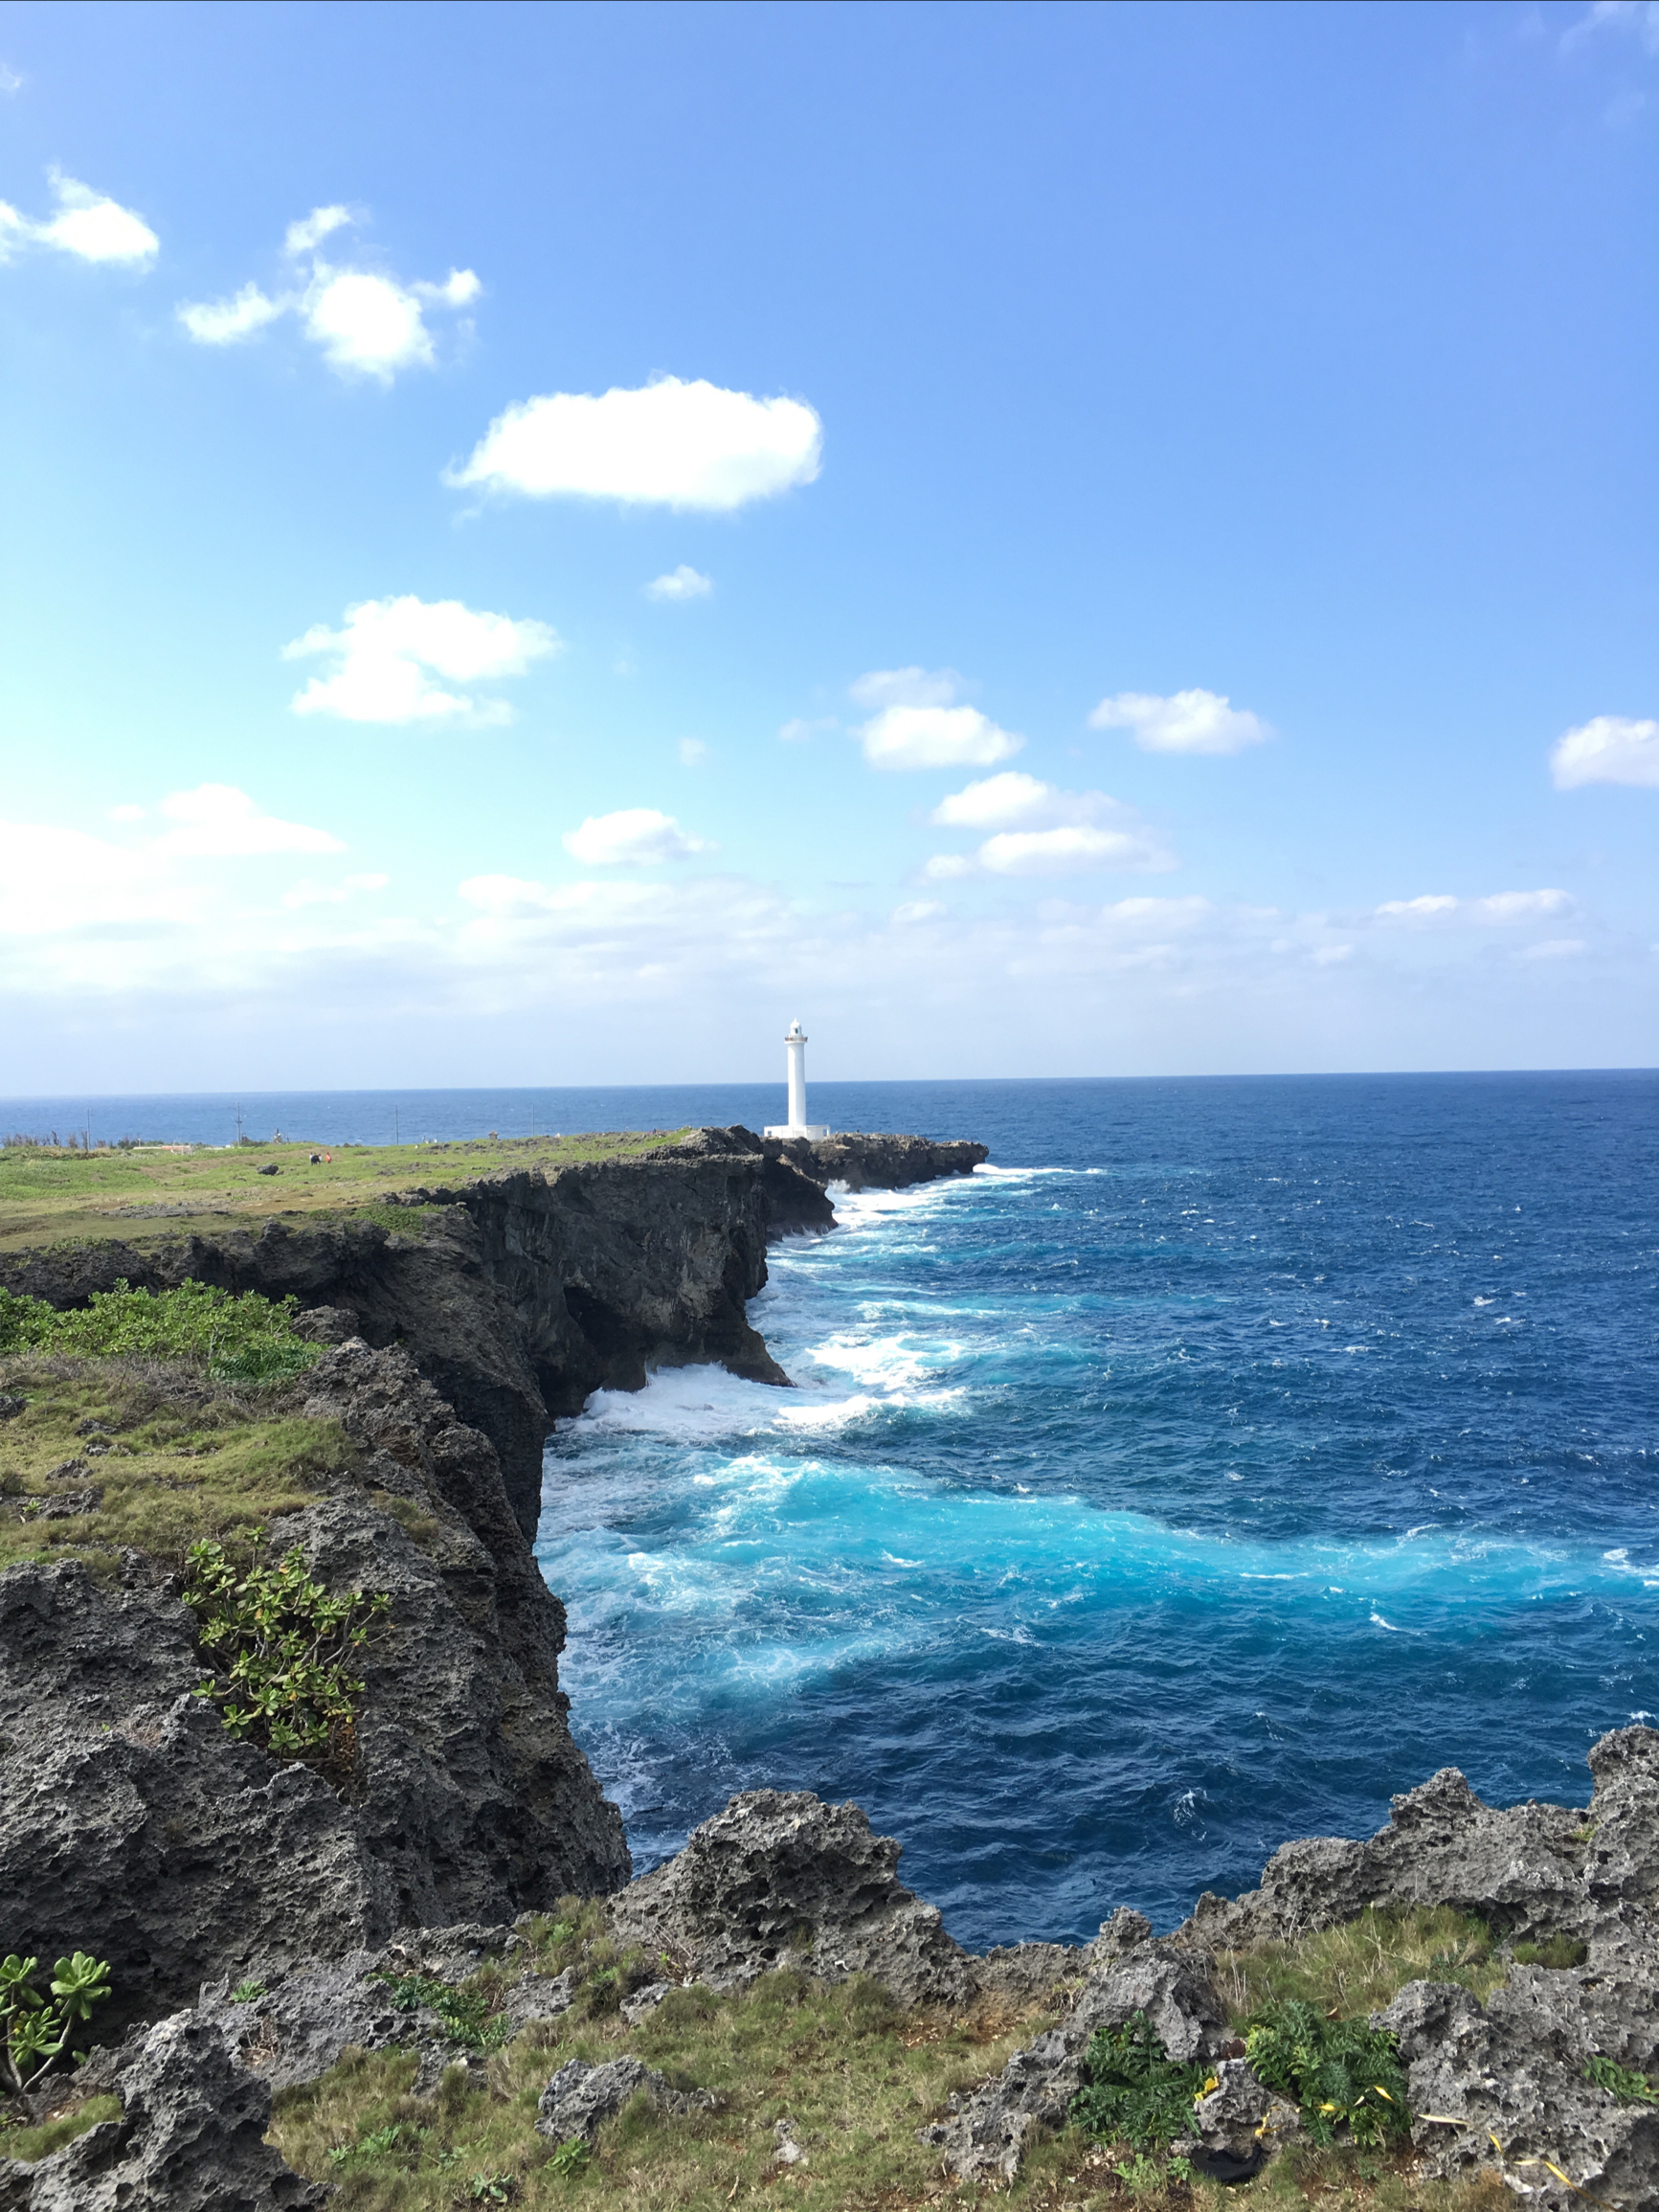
x=781, y=1879
x=518, y=1294
x=130, y=1818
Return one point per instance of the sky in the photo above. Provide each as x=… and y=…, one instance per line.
x=541, y=543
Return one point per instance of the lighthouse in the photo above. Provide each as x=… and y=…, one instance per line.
x=797, y=1124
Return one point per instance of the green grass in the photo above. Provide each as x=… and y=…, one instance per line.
x=245, y=1338
x=853, y=2074
x=184, y=1458
x=36, y=2143
x=150, y=1193
x=1363, y=1966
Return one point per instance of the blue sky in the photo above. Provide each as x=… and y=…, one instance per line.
x=540, y=543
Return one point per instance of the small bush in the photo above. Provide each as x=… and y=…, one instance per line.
x=466, y=2014
x=280, y=1645
x=35, y=2029
x=1136, y=2093
x=1341, y=2072
x=243, y=1339
x=1621, y=2082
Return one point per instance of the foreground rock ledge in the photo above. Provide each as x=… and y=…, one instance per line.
x=781, y=1877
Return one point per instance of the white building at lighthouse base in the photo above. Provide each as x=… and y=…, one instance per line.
x=797, y=1124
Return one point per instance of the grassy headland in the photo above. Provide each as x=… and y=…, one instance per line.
x=149, y=1191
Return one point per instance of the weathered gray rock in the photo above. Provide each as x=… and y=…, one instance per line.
x=133, y=1825
x=1132, y=1970
x=1238, y=2125
x=579, y=2096
x=191, y=2138
x=781, y=1879
x=1506, y=2084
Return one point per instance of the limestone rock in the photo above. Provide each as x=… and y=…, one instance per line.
x=579, y=2096
x=191, y=2138
x=781, y=1879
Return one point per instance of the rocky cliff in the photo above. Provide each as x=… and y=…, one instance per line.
x=518, y=1294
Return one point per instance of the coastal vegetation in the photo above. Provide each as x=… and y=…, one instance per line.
x=99, y=1453
x=143, y=1193
x=848, y=2076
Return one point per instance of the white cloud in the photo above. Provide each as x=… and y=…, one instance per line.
x=1638, y=17
x=217, y=822
x=1426, y=909
x=693, y=753
x=9, y=80
x=1499, y=905
x=800, y=732
x=307, y=235
x=1075, y=848
x=1186, y=722
x=917, y=909
x=670, y=442
x=387, y=648
x=1046, y=831
x=904, y=687
x=1523, y=906
x=1554, y=949
x=88, y=224
x=681, y=584
x=1607, y=749
x=945, y=867
x=223, y=322
x=366, y=323
x=634, y=837
x=1328, y=956
x=935, y=737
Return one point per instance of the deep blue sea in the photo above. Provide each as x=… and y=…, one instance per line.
x=1224, y=1457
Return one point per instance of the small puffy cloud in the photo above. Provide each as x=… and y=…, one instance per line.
x=997, y=802
x=917, y=909
x=388, y=652
x=1607, y=749
x=681, y=584
x=365, y=322
x=670, y=442
x=945, y=867
x=693, y=753
x=1554, y=949
x=935, y=737
x=9, y=80
x=904, y=687
x=217, y=822
x=1426, y=909
x=1044, y=831
x=1523, y=906
x=802, y=732
x=634, y=837
x=1330, y=956
x=88, y=224
x=1186, y=722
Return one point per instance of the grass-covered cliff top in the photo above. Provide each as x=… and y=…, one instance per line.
x=149, y=1190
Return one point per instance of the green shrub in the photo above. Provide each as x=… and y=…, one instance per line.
x=281, y=1646
x=1629, y=2087
x=1340, y=2072
x=1134, y=2092
x=35, y=2029
x=466, y=2014
x=244, y=1338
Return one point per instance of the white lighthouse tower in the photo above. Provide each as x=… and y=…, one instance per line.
x=797, y=1124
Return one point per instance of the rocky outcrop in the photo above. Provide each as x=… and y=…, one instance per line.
x=130, y=1817
x=580, y=2095
x=191, y=2138
x=519, y=1294
x=781, y=1879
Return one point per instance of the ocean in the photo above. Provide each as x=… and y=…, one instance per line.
x=1221, y=1459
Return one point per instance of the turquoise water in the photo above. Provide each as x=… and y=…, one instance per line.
x=1221, y=1459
